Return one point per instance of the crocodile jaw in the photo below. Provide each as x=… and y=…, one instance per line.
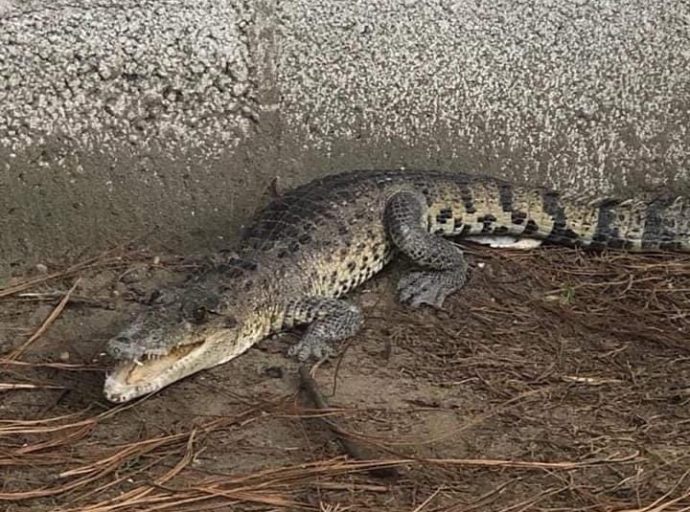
x=132, y=379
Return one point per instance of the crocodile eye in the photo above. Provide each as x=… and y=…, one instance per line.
x=199, y=315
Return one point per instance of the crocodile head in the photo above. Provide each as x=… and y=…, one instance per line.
x=186, y=331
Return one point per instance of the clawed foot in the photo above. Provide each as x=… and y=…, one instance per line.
x=333, y=320
x=430, y=287
x=310, y=347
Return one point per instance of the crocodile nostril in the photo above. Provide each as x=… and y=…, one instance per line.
x=115, y=345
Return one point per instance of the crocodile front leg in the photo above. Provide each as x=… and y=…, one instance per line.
x=331, y=320
x=406, y=220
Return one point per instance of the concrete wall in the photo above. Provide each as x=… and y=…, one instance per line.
x=123, y=117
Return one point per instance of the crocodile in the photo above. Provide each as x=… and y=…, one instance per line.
x=309, y=247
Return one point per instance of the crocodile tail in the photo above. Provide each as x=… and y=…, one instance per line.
x=634, y=225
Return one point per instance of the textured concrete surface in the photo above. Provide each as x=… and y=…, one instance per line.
x=580, y=94
x=101, y=73
x=122, y=117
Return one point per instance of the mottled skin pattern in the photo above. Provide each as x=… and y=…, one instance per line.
x=314, y=244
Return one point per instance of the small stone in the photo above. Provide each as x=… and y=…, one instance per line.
x=120, y=290
x=134, y=275
x=64, y=356
x=43, y=269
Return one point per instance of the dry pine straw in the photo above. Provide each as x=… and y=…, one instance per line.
x=635, y=298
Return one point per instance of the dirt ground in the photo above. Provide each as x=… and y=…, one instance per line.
x=555, y=380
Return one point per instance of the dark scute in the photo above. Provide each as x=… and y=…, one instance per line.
x=606, y=217
x=531, y=227
x=657, y=227
x=505, y=191
x=552, y=206
x=445, y=213
x=518, y=217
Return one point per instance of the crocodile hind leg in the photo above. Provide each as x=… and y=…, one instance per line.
x=331, y=320
x=446, y=269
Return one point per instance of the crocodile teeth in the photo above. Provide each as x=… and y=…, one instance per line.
x=150, y=356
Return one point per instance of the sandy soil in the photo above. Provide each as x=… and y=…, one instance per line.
x=555, y=380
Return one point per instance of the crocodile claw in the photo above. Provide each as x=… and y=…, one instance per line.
x=311, y=348
x=429, y=287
